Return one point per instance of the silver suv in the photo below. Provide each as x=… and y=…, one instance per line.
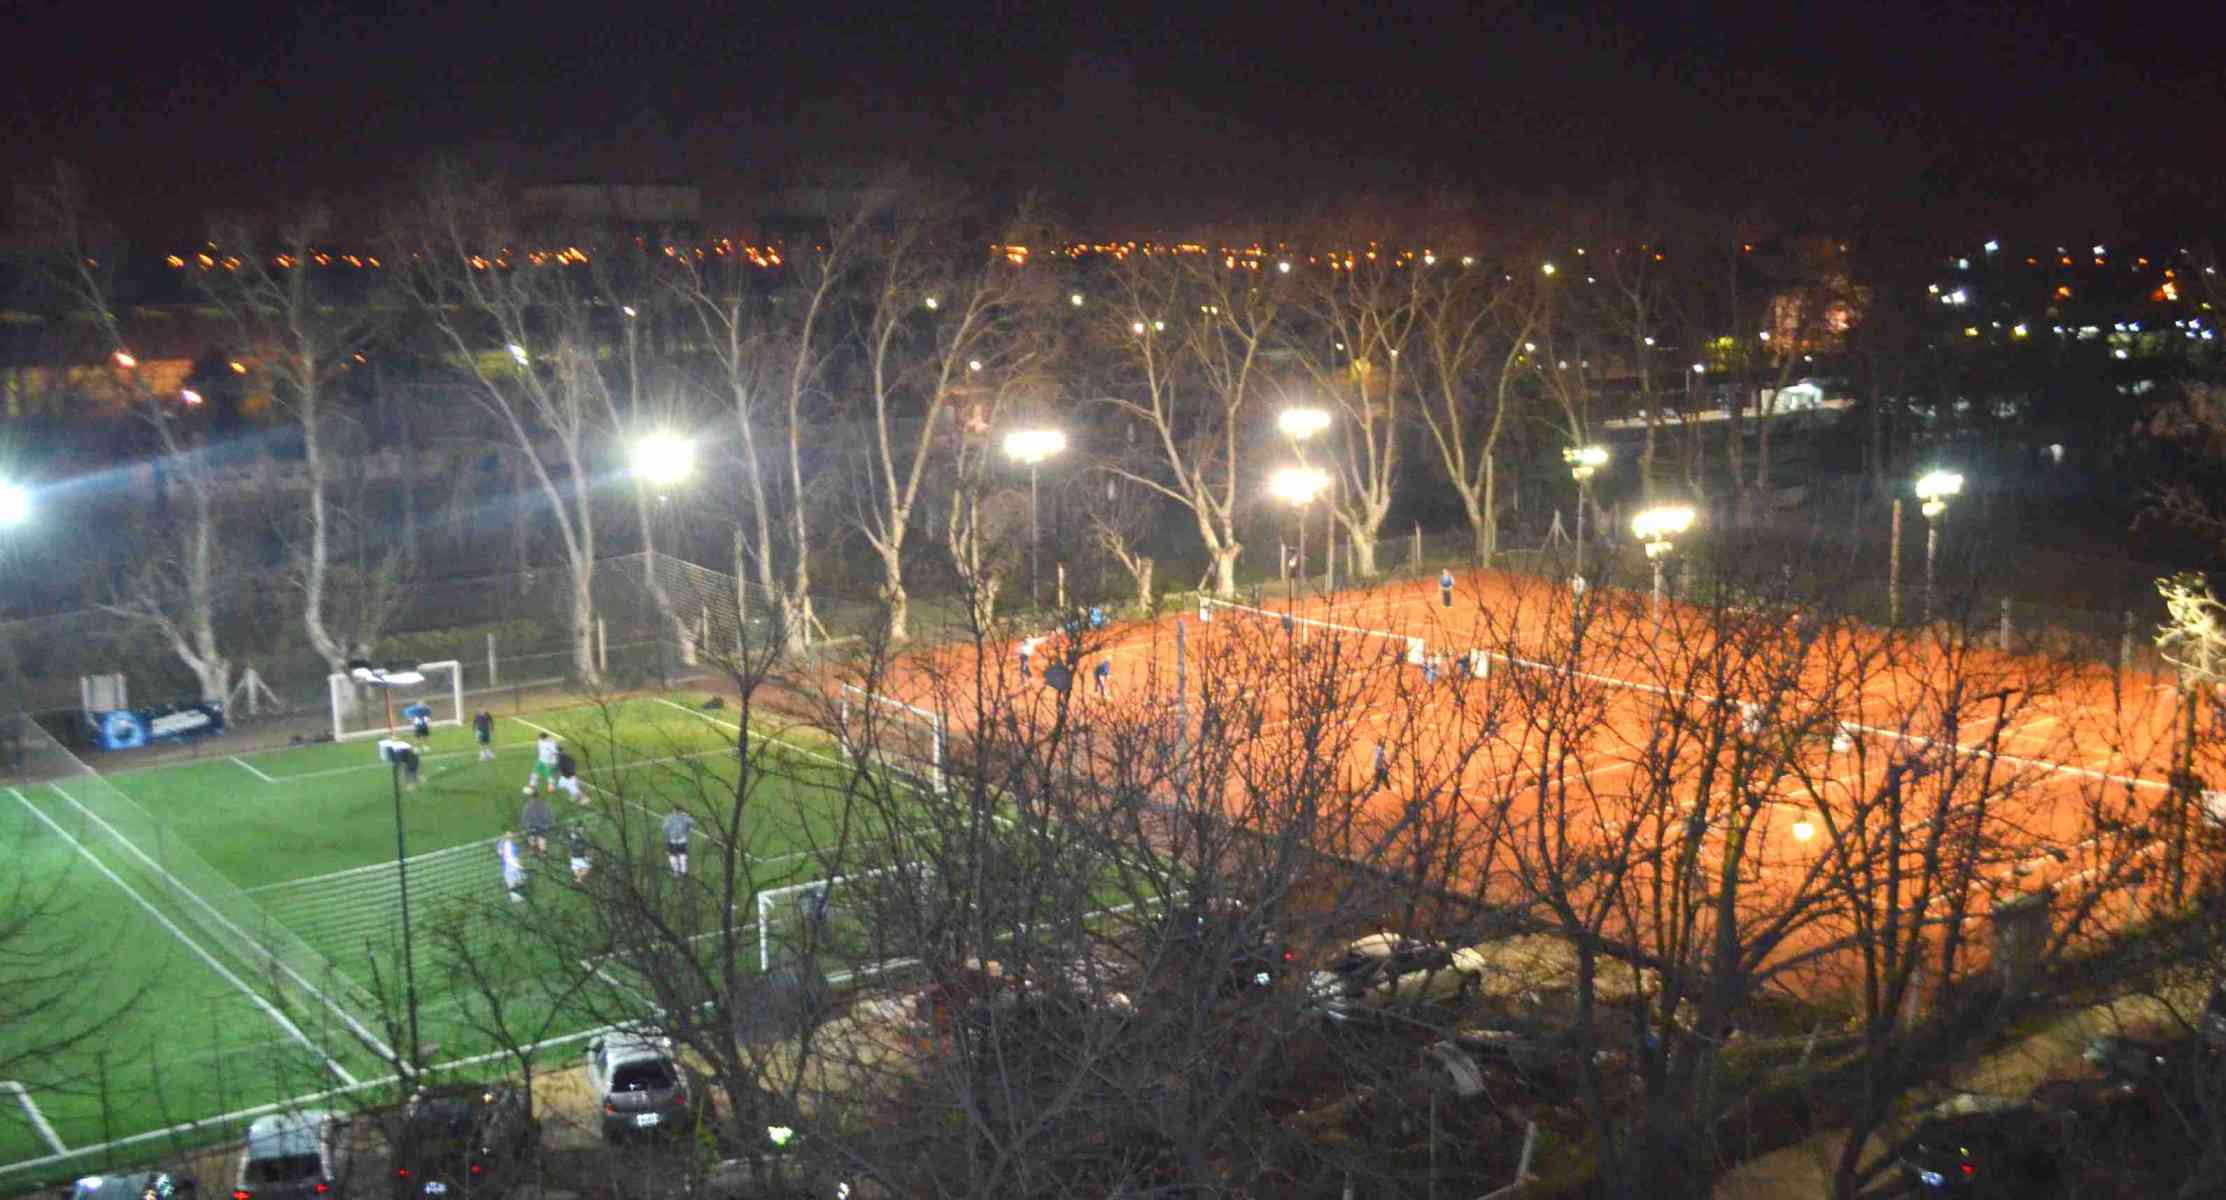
x=642, y=1090
x=294, y=1155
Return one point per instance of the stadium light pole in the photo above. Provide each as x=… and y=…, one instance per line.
x=659, y=460
x=1297, y=486
x=1935, y=488
x=402, y=883
x=1584, y=462
x=1032, y=447
x=1659, y=527
x=1300, y=424
x=15, y=511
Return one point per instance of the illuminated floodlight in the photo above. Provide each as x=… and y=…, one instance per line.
x=518, y=353
x=1700, y=368
x=1939, y=485
x=15, y=504
x=1299, y=424
x=933, y=303
x=1584, y=460
x=1297, y=485
x=1660, y=525
x=189, y=397
x=1803, y=830
x=1546, y=269
x=1075, y=299
x=1032, y=446
x=125, y=360
x=1283, y=267
x=663, y=460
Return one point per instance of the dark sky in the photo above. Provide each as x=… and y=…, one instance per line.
x=1129, y=111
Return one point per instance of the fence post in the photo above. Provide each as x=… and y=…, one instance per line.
x=1282, y=562
x=602, y=647
x=2004, y=645
x=1062, y=569
x=1417, y=563
x=494, y=678
x=2125, y=646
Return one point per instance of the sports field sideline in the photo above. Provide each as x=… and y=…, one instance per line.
x=231, y=923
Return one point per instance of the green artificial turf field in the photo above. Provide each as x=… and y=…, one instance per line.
x=233, y=922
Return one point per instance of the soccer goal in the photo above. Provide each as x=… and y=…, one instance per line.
x=829, y=921
x=373, y=701
x=903, y=736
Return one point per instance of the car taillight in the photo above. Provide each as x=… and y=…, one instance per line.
x=680, y=1097
x=401, y=1172
x=243, y=1195
x=475, y=1168
x=609, y=1109
x=1969, y=1170
x=321, y=1188
x=1288, y=956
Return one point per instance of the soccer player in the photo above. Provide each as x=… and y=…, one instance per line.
x=575, y=840
x=678, y=825
x=421, y=719
x=1383, y=767
x=483, y=728
x=1103, y=674
x=544, y=764
x=1028, y=653
x=1445, y=587
x=513, y=867
x=568, y=777
x=537, y=820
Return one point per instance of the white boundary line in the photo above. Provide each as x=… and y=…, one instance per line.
x=276, y=1016
x=354, y=1026
x=249, y=767
x=31, y=1110
x=767, y=737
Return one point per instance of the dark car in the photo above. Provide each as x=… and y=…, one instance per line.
x=1987, y=1146
x=135, y=1185
x=1224, y=941
x=460, y=1140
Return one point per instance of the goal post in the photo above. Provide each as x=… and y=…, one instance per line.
x=367, y=710
x=903, y=734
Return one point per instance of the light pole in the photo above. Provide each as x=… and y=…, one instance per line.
x=1300, y=425
x=1935, y=488
x=1658, y=527
x=663, y=461
x=409, y=951
x=1033, y=446
x=1583, y=462
x=15, y=510
x=1297, y=486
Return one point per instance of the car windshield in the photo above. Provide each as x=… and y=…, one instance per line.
x=286, y=1168
x=642, y=1077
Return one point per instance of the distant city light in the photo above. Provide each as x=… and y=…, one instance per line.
x=191, y=398
x=1284, y=267
x=933, y=303
x=973, y=364
x=1075, y=299
x=1700, y=369
x=125, y=360
x=1991, y=247
x=1548, y=268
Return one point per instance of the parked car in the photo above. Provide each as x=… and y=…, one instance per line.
x=135, y=1185
x=460, y=1140
x=1986, y=1146
x=640, y=1087
x=1388, y=966
x=1243, y=955
x=2214, y=1017
x=294, y=1154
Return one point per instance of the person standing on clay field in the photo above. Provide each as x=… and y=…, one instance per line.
x=1445, y=588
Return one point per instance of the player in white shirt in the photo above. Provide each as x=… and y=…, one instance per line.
x=513, y=867
x=544, y=764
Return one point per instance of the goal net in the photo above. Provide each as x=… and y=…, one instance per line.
x=372, y=702
x=902, y=739
x=839, y=923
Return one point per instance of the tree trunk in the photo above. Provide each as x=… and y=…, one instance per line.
x=1225, y=568
x=583, y=625
x=1363, y=551
x=1143, y=573
x=892, y=590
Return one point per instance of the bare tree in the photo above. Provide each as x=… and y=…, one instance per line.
x=1471, y=330
x=302, y=333
x=1190, y=334
x=527, y=340
x=178, y=587
x=945, y=324
x=1369, y=314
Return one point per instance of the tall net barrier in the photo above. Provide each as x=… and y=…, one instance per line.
x=187, y=899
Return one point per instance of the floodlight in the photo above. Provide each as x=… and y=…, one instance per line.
x=663, y=460
x=1302, y=423
x=1297, y=485
x=1032, y=446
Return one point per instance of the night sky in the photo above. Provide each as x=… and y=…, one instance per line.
x=1136, y=115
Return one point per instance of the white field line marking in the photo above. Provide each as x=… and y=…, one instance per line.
x=208, y=959
x=354, y=1026
x=328, y=772
x=31, y=1110
x=417, y=861
x=249, y=767
x=753, y=733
